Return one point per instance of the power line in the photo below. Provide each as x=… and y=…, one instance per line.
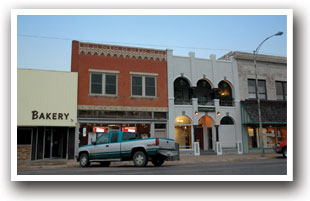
x=138, y=44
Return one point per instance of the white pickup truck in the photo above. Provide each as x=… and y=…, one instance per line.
x=126, y=146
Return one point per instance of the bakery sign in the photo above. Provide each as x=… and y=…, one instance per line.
x=36, y=115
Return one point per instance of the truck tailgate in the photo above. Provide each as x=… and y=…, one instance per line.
x=166, y=143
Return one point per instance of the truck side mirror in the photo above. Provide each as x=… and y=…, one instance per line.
x=93, y=142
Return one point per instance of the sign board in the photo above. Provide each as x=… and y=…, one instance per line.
x=129, y=129
x=46, y=98
x=268, y=134
x=100, y=129
x=206, y=109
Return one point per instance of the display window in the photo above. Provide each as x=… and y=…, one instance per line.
x=183, y=132
x=89, y=132
x=271, y=136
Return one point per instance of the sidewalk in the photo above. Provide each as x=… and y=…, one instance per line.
x=184, y=159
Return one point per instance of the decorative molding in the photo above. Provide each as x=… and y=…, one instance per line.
x=103, y=71
x=122, y=108
x=141, y=73
x=122, y=51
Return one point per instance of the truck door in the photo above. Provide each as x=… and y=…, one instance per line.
x=101, y=148
x=114, y=146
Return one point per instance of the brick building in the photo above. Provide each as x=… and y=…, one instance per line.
x=120, y=88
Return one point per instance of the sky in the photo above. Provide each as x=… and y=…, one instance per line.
x=44, y=41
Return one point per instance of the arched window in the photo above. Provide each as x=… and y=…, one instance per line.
x=225, y=94
x=204, y=93
x=182, y=92
x=183, y=132
x=227, y=121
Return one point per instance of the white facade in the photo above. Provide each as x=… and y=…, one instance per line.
x=213, y=71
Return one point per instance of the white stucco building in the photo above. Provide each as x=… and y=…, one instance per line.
x=204, y=103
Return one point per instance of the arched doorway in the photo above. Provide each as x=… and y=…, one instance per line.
x=204, y=133
x=183, y=132
x=182, y=92
x=227, y=132
x=225, y=94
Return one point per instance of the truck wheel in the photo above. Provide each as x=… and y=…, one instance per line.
x=158, y=161
x=84, y=160
x=284, y=152
x=105, y=164
x=140, y=159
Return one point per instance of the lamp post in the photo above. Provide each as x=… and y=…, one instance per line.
x=257, y=98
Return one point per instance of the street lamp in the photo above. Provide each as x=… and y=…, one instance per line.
x=257, y=98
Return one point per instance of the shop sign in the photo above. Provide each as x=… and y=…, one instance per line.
x=206, y=109
x=100, y=129
x=129, y=129
x=268, y=134
x=49, y=115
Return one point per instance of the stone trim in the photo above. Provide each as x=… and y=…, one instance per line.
x=118, y=51
x=250, y=56
x=122, y=108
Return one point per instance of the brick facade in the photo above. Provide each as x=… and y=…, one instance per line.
x=87, y=56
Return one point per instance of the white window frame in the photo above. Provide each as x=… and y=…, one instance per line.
x=143, y=75
x=103, y=73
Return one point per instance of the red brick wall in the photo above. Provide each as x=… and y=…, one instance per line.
x=81, y=63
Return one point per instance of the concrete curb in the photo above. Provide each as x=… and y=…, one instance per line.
x=184, y=159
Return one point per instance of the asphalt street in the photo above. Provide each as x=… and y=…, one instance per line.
x=276, y=166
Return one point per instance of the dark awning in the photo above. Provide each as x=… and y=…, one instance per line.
x=272, y=112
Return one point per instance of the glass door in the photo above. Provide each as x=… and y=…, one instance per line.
x=57, y=144
x=47, y=143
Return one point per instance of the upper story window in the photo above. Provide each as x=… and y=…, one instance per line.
x=281, y=90
x=225, y=94
x=143, y=85
x=262, y=94
x=204, y=93
x=103, y=82
x=182, y=92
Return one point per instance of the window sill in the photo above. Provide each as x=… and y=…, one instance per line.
x=103, y=95
x=144, y=97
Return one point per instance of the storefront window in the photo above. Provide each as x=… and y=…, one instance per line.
x=183, y=132
x=89, y=132
x=271, y=136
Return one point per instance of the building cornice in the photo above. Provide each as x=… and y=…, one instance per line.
x=122, y=51
x=250, y=56
x=122, y=108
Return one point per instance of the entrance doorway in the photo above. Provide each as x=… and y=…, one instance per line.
x=55, y=143
x=210, y=141
x=204, y=133
x=199, y=137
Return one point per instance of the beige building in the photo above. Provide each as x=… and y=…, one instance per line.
x=272, y=82
x=46, y=114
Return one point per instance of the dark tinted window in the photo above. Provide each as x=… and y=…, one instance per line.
x=281, y=90
x=160, y=126
x=96, y=83
x=136, y=85
x=110, y=84
x=114, y=137
x=129, y=136
x=23, y=136
x=149, y=86
x=227, y=121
